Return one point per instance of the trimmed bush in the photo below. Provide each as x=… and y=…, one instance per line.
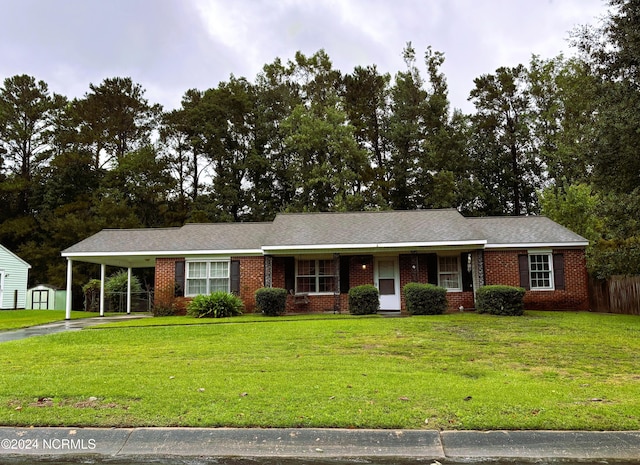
x=364, y=300
x=425, y=299
x=218, y=304
x=500, y=300
x=271, y=301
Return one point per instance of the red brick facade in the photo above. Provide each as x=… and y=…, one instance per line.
x=251, y=272
x=500, y=267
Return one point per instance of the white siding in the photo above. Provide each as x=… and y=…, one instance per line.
x=14, y=273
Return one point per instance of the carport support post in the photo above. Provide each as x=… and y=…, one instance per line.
x=129, y=291
x=103, y=272
x=68, y=296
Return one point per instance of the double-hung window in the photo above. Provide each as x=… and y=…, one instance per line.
x=449, y=272
x=541, y=271
x=315, y=276
x=207, y=276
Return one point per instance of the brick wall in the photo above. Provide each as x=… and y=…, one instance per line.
x=251, y=279
x=501, y=267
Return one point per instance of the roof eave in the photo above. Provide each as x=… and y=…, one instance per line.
x=536, y=245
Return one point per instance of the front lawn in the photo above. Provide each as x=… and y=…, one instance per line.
x=16, y=319
x=461, y=371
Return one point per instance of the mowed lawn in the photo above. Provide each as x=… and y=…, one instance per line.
x=15, y=319
x=546, y=370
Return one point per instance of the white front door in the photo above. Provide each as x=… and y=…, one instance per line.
x=387, y=278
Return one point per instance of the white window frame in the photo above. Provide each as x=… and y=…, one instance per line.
x=317, y=275
x=208, y=277
x=551, y=286
x=440, y=273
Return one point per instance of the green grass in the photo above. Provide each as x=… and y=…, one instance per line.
x=16, y=319
x=461, y=371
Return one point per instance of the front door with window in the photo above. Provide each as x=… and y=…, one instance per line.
x=387, y=279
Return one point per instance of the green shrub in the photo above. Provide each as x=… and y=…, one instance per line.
x=425, y=299
x=115, y=288
x=91, y=292
x=218, y=304
x=271, y=301
x=500, y=300
x=364, y=300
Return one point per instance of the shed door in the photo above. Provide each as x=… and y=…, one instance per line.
x=1, y=287
x=40, y=299
x=388, y=283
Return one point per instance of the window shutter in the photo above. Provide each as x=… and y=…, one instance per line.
x=345, y=263
x=467, y=275
x=290, y=273
x=432, y=268
x=179, y=278
x=558, y=271
x=523, y=261
x=234, y=273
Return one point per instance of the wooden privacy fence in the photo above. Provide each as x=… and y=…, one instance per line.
x=618, y=294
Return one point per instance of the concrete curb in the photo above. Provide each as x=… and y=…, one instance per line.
x=385, y=446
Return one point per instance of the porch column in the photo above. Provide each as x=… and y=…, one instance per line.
x=336, y=283
x=268, y=271
x=69, y=281
x=103, y=272
x=129, y=291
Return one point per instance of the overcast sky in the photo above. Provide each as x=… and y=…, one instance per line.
x=170, y=46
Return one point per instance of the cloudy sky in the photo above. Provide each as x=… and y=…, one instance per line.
x=170, y=46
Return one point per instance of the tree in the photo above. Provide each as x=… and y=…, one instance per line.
x=366, y=104
x=563, y=96
x=26, y=108
x=269, y=168
x=329, y=168
x=613, y=52
x=575, y=207
x=114, y=118
x=502, y=122
x=406, y=132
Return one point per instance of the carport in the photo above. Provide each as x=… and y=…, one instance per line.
x=129, y=249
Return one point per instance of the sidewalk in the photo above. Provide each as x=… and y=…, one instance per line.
x=214, y=445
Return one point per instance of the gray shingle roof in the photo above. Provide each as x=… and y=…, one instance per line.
x=189, y=238
x=315, y=230
x=358, y=228
x=518, y=230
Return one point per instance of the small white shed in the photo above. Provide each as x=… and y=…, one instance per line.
x=46, y=297
x=14, y=274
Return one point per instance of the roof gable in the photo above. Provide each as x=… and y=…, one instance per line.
x=9, y=253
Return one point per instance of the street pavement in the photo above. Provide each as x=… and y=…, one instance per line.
x=290, y=446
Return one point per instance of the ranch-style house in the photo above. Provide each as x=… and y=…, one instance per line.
x=318, y=257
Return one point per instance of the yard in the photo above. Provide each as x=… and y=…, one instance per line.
x=15, y=319
x=546, y=370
